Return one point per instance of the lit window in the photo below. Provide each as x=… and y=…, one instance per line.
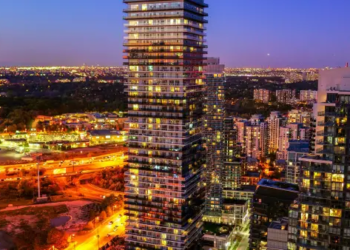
x=335, y=212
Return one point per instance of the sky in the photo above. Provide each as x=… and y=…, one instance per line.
x=243, y=33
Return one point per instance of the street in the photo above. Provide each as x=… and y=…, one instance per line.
x=98, y=237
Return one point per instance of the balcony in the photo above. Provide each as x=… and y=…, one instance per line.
x=180, y=6
x=162, y=30
x=165, y=14
x=326, y=124
x=322, y=142
x=155, y=50
x=199, y=63
x=168, y=37
x=325, y=151
x=197, y=2
x=330, y=114
x=165, y=43
x=325, y=133
x=162, y=57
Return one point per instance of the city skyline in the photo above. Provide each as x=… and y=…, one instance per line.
x=287, y=34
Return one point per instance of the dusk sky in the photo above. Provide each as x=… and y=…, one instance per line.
x=296, y=33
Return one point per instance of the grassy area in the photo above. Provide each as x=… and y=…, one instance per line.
x=3, y=223
x=30, y=226
x=47, y=211
x=16, y=202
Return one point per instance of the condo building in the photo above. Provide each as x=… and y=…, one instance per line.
x=252, y=135
x=214, y=134
x=300, y=116
x=164, y=49
x=270, y=203
x=287, y=96
x=308, y=95
x=292, y=131
x=275, y=122
x=320, y=219
x=262, y=95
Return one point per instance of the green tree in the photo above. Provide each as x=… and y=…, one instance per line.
x=89, y=226
x=58, y=238
x=108, y=201
x=103, y=216
x=109, y=211
x=25, y=188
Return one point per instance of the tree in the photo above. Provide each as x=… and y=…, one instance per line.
x=40, y=126
x=89, y=226
x=103, y=215
x=25, y=188
x=108, y=201
x=109, y=211
x=58, y=238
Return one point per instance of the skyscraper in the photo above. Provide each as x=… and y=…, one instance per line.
x=214, y=130
x=321, y=217
x=163, y=195
x=275, y=122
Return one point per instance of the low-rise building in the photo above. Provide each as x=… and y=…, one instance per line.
x=105, y=136
x=217, y=236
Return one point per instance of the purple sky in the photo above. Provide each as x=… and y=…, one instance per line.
x=296, y=33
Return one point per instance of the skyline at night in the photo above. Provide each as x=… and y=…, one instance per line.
x=243, y=34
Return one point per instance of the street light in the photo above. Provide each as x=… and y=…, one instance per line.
x=98, y=240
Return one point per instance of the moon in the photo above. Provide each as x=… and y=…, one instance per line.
x=268, y=54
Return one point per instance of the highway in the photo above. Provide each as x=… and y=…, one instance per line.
x=64, y=168
x=91, y=192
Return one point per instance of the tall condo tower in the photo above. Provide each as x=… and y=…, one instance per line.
x=214, y=128
x=165, y=51
x=320, y=218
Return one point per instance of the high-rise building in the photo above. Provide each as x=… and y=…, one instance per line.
x=165, y=85
x=292, y=131
x=262, y=95
x=295, y=151
x=287, y=96
x=232, y=157
x=300, y=116
x=321, y=217
x=275, y=121
x=277, y=235
x=271, y=201
x=308, y=95
x=214, y=134
x=253, y=136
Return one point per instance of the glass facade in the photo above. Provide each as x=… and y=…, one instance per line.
x=321, y=217
x=214, y=141
x=164, y=198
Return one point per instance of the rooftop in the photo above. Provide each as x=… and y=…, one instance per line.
x=234, y=202
x=217, y=229
x=104, y=132
x=278, y=185
x=280, y=225
x=252, y=174
x=298, y=146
